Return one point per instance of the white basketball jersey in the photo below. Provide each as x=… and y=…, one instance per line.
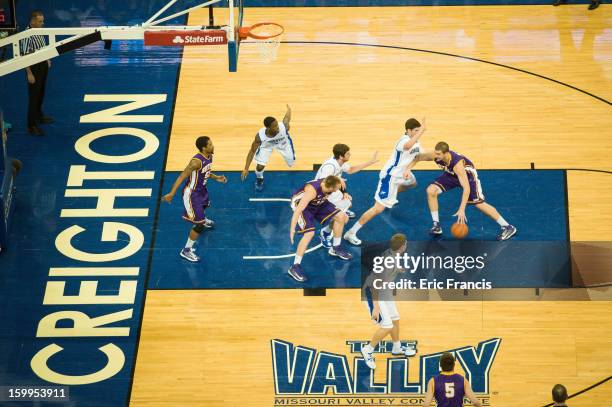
x=332, y=167
x=280, y=141
x=400, y=158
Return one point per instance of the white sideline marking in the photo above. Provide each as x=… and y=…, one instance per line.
x=269, y=200
x=282, y=256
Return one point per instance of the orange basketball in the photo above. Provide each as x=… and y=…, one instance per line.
x=459, y=230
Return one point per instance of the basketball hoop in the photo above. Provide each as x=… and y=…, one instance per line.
x=267, y=36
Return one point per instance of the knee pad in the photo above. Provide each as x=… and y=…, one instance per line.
x=199, y=228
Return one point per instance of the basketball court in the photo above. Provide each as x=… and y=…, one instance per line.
x=522, y=90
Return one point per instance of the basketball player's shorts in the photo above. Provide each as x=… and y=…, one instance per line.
x=262, y=155
x=337, y=198
x=446, y=182
x=195, y=203
x=386, y=193
x=312, y=214
x=388, y=312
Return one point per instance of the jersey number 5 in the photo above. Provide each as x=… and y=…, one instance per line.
x=450, y=390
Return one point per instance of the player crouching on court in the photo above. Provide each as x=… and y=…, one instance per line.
x=195, y=193
x=311, y=203
x=381, y=304
x=459, y=171
x=337, y=165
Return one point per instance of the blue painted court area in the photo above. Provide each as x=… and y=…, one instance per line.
x=31, y=299
x=534, y=201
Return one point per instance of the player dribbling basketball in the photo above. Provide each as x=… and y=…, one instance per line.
x=459, y=171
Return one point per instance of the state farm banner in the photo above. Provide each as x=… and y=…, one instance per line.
x=182, y=37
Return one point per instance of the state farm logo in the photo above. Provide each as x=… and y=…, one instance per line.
x=205, y=39
x=182, y=38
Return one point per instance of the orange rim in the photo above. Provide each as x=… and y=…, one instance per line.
x=245, y=32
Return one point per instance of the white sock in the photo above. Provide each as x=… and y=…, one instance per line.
x=502, y=222
x=368, y=348
x=298, y=259
x=355, y=228
x=259, y=174
x=435, y=216
x=397, y=345
x=337, y=241
x=326, y=229
x=189, y=243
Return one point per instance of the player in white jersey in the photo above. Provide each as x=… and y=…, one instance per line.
x=273, y=136
x=381, y=303
x=336, y=166
x=395, y=177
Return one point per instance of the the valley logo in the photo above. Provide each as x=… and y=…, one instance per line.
x=301, y=372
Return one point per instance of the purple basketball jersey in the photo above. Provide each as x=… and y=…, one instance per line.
x=319, y=209
x=449, y=390
x=455, y=158
x=198, y=178
x=195, y=193
x=321, y=197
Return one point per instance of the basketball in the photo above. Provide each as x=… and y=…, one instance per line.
x=459, y=230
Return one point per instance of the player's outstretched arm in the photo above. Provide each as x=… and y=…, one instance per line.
x=430, y=393
x=219, y=178
x=254, y=146
x=356, y=168
x=309, y=195
x=425, y=156
x=193, y=165
x=459, y=169
x=470, y=394
x=287, y=118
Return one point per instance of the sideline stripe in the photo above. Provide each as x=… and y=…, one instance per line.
x=160, y=192
x=283, y=256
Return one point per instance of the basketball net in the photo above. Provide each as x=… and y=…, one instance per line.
x=267, y=38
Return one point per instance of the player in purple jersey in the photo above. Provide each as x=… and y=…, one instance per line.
x=310, y=204
x=459, y=171
x=449, y=387
x=195, y=193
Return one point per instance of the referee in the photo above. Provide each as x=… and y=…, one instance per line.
x=37, y=76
